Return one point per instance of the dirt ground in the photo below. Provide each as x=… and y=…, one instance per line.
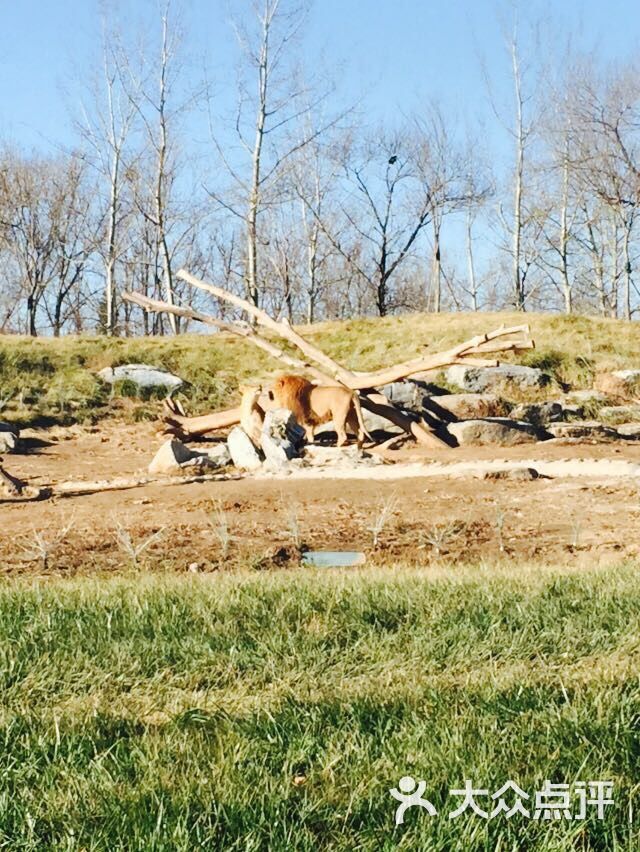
x=215, y=525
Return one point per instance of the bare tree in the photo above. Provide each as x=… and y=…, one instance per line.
x=47, y=228
x=454, y=179
x=76, y=241
x=264, y=123
x=106, y=125
x=158, y=106
x=313, y=175
x=607, y=114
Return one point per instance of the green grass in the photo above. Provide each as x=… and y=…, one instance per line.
x=55, y=379
x=173, y=713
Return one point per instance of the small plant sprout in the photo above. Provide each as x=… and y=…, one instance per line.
x=440, y=535
x=576, y=533
x=293, y=524
x=385, y=511
x=219, y=523
x=41, y=547
x=132, y=549
x=499, y=525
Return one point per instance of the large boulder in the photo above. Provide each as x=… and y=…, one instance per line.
x=499, y=431
x=628, y=430
x=480, y=379
x=243, y=453
x=218, y=455
x=142, y=375
x=375, y=423
x=8, y=437
x=175, y=457
x=408, y=393
x=620, y=413
x=342, y=458
x=586, y=429
x=465, y=405
x=589, y=396
x=619, y=383
x=282, y=437
x=538, y=413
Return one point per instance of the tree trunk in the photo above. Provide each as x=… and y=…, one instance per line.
x=32, y=307
x=167, y=275
x=518, y=291
x=110, y=288
x=564, y=235
x=473, y=287
x=254, y=198
x=436, y=273
x=312, y=255
x=627, y=271
x=57, y=314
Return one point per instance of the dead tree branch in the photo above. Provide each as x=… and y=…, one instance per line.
x=322, y=367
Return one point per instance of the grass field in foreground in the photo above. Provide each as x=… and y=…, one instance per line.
x=274, y=712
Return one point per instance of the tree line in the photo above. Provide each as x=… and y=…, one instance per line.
x=304, y=208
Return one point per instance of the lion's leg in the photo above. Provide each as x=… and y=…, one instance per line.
x=309, y=430
x=354, y=425
x=339, y=422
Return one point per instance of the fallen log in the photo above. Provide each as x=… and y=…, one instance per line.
x=186, y=428
x=282, y=329
x=183, y=427
x=514, y=339
x=517, y=340
x=77, y=489
x=484, y=343
x=236, y=329
x=377, y=403
x=14, y=490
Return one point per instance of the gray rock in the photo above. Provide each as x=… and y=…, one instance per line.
x=339, y=457
x=538, y=413
x=406, y=394
x=8, y=437
x=142, y=375
x=619, y=383
x=573, y=412
x=581, y=429
x=629, y=376
x=174, y=456
x=515, y=474
x=466, y=405
x=480, y=379
x=588, y=395
x=376, y=423
x=281, y=438
x=497, y=431
x=243, y=454
x=620, y=413
x=629, y=430
x=218, y=455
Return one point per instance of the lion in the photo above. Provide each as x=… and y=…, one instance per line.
x=313, y=405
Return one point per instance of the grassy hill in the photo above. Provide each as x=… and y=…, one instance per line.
x=56, y=378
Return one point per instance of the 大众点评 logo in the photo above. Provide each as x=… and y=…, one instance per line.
x=553, y=801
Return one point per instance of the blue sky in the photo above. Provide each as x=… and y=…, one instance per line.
x=392, y=57
x=397, y=55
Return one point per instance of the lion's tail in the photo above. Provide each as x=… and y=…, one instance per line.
x=358, y=408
